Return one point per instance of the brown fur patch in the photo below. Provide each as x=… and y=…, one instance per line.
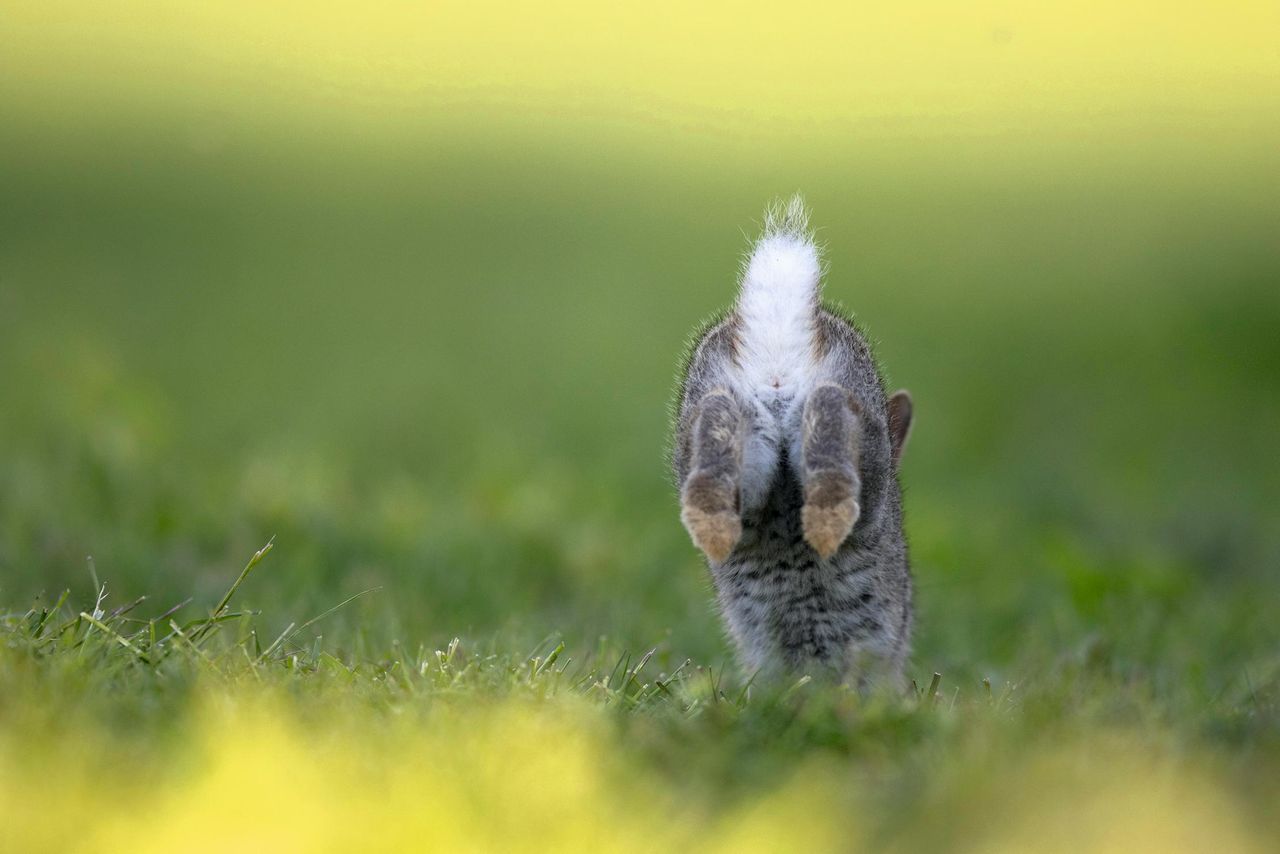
x=710, y=493
x=828, y=488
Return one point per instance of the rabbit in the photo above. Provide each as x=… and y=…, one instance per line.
x=785, y=453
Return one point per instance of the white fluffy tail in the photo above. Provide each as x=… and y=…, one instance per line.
x=778, y=301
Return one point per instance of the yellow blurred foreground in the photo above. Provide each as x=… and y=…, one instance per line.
x=516, y=776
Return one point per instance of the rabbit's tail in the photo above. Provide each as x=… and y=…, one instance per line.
x=779, y=299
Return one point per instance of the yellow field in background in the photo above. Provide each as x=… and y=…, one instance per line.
x=765, y=70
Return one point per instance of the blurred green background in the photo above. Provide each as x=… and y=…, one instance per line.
x=407, y=289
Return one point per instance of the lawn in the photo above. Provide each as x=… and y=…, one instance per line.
x=428, y=361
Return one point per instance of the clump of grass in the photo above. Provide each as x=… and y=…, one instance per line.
x=298, y=741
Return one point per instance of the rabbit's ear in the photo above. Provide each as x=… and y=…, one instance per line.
x=900, y=411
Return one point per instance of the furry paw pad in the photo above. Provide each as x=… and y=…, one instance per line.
x=827, y=526
x=715, y=533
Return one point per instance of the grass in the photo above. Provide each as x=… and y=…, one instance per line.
x=120, y=728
